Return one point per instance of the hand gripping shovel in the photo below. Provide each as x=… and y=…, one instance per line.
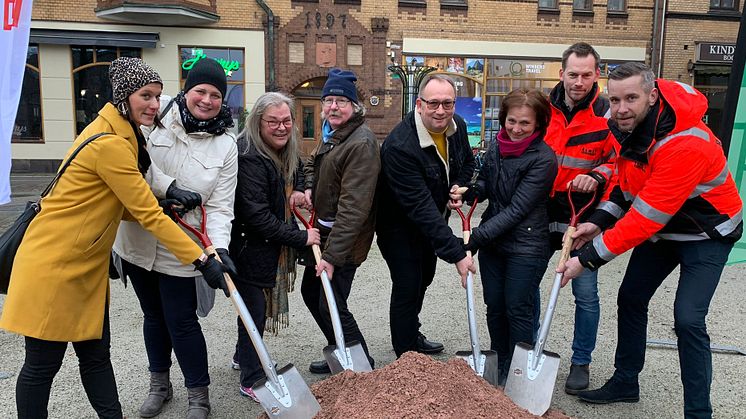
x=533, y=371
x=484, y=363
x=339, y=357
x=283, y=393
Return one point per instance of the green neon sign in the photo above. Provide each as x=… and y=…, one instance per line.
x=229, y=66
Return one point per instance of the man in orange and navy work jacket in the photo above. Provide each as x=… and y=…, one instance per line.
x=675, y=203
x=579, y=135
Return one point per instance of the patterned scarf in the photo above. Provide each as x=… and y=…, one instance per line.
x=277, y=311
x=215, y=126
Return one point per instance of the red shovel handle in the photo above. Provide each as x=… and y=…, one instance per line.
x=202, y=232
x=574, y=217
x=466, y=219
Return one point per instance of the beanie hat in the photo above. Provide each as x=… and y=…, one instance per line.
x=340, y=83
x=128, y=75
x=207, y=71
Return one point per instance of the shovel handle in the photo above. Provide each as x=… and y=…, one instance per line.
x=328, y=291
x=256, y=339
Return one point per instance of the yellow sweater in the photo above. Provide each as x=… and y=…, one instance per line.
x=440, y=143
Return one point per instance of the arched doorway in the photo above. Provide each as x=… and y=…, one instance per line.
x=308, y=112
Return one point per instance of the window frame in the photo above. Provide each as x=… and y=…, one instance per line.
x=31, y=140
x=548, y=8
x=586, y=10
x=94, y=63
x=621, y=11
x=720, y=8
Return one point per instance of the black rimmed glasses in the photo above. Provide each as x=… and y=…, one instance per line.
x=435, y=104
x=276, y=124
x=341, y=103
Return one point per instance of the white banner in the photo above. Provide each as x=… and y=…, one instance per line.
x=14, y=36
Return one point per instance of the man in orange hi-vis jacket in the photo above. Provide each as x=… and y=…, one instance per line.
x=675, y=202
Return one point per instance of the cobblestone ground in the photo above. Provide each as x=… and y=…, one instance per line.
x=443, y=319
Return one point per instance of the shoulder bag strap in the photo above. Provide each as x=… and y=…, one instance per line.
x=49, y=187
x=167, y=108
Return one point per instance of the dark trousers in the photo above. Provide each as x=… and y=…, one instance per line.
x=411, y=264
x=44, y=359
x=251, y=367
x=701, y=264
x=169, y=306
x=509, y=284
x=315, y=299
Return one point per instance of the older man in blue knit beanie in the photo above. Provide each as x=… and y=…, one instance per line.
x=340, y=182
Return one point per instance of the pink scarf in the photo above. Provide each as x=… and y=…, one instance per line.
x=510, y=148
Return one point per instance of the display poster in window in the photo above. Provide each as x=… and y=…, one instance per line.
x=470, y=108
x=475, y=67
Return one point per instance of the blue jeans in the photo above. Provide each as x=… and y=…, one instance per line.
x=701, y=264
x=509, y=284
x=587, y=316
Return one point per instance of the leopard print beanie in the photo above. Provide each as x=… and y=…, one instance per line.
x=128, y=75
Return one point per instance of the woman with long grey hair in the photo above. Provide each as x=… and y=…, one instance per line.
x=264, y=234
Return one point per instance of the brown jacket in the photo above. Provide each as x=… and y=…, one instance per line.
x=342, y=174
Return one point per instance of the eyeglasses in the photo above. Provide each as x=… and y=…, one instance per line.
x=276, y=124
x=435, y=104
x=341, y=103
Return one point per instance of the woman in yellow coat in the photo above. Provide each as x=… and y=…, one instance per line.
x=59, y=288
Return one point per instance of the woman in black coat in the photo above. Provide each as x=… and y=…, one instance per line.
x=264, y=232
x=513, y=236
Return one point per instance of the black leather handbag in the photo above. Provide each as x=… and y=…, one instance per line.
x=11, y=239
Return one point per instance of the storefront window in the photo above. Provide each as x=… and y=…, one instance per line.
x=91, y=85
x=28, y=124
x=232, y=61
x=712, y=81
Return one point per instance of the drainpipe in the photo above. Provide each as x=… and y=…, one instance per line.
x=270, y=43
x=654, y=38
x=661, y=38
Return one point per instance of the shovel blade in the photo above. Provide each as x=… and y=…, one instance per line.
x=351, y=357
x=293, y=400
x=488, y=370
x=532, y=389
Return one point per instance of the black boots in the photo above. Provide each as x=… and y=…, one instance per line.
x=425, y=346
x=613, y=391
x=578, y=379
x=199, y=403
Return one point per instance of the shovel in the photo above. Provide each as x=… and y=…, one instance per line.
x=341, y=356
x=533, y=371
x=283, y=393
x=484, y=363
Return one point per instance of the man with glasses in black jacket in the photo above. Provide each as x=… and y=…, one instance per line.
x=424, y=160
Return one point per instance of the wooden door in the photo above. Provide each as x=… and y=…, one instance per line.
x=308, y=113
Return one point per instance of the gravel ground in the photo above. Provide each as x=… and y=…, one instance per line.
x=443, y=318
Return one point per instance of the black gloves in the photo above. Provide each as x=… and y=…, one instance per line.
x=190, y=200
x=168, y=209
x=226, y=259
x=471, y=247
x=213, y=272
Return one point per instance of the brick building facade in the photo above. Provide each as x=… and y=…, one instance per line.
x=701, y=57
x=490, y=47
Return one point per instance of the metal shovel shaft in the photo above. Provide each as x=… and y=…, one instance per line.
x=556, y=285
x=256, y=339
x=473, y=333
x=339, y=337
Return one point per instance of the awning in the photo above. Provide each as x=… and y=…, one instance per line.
x=98, y=38
x=712, y=69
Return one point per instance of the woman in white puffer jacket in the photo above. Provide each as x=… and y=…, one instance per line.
x=196, y=154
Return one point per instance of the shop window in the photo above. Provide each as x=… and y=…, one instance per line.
x=719, y=5
x=582, y=6
x=617, y=6
x=232, y=61
x=28, y=124
x=91, y=85
x=548, y=5
x=354, y=54
x=296, y=52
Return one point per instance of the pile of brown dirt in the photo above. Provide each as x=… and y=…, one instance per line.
x=416, y=386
